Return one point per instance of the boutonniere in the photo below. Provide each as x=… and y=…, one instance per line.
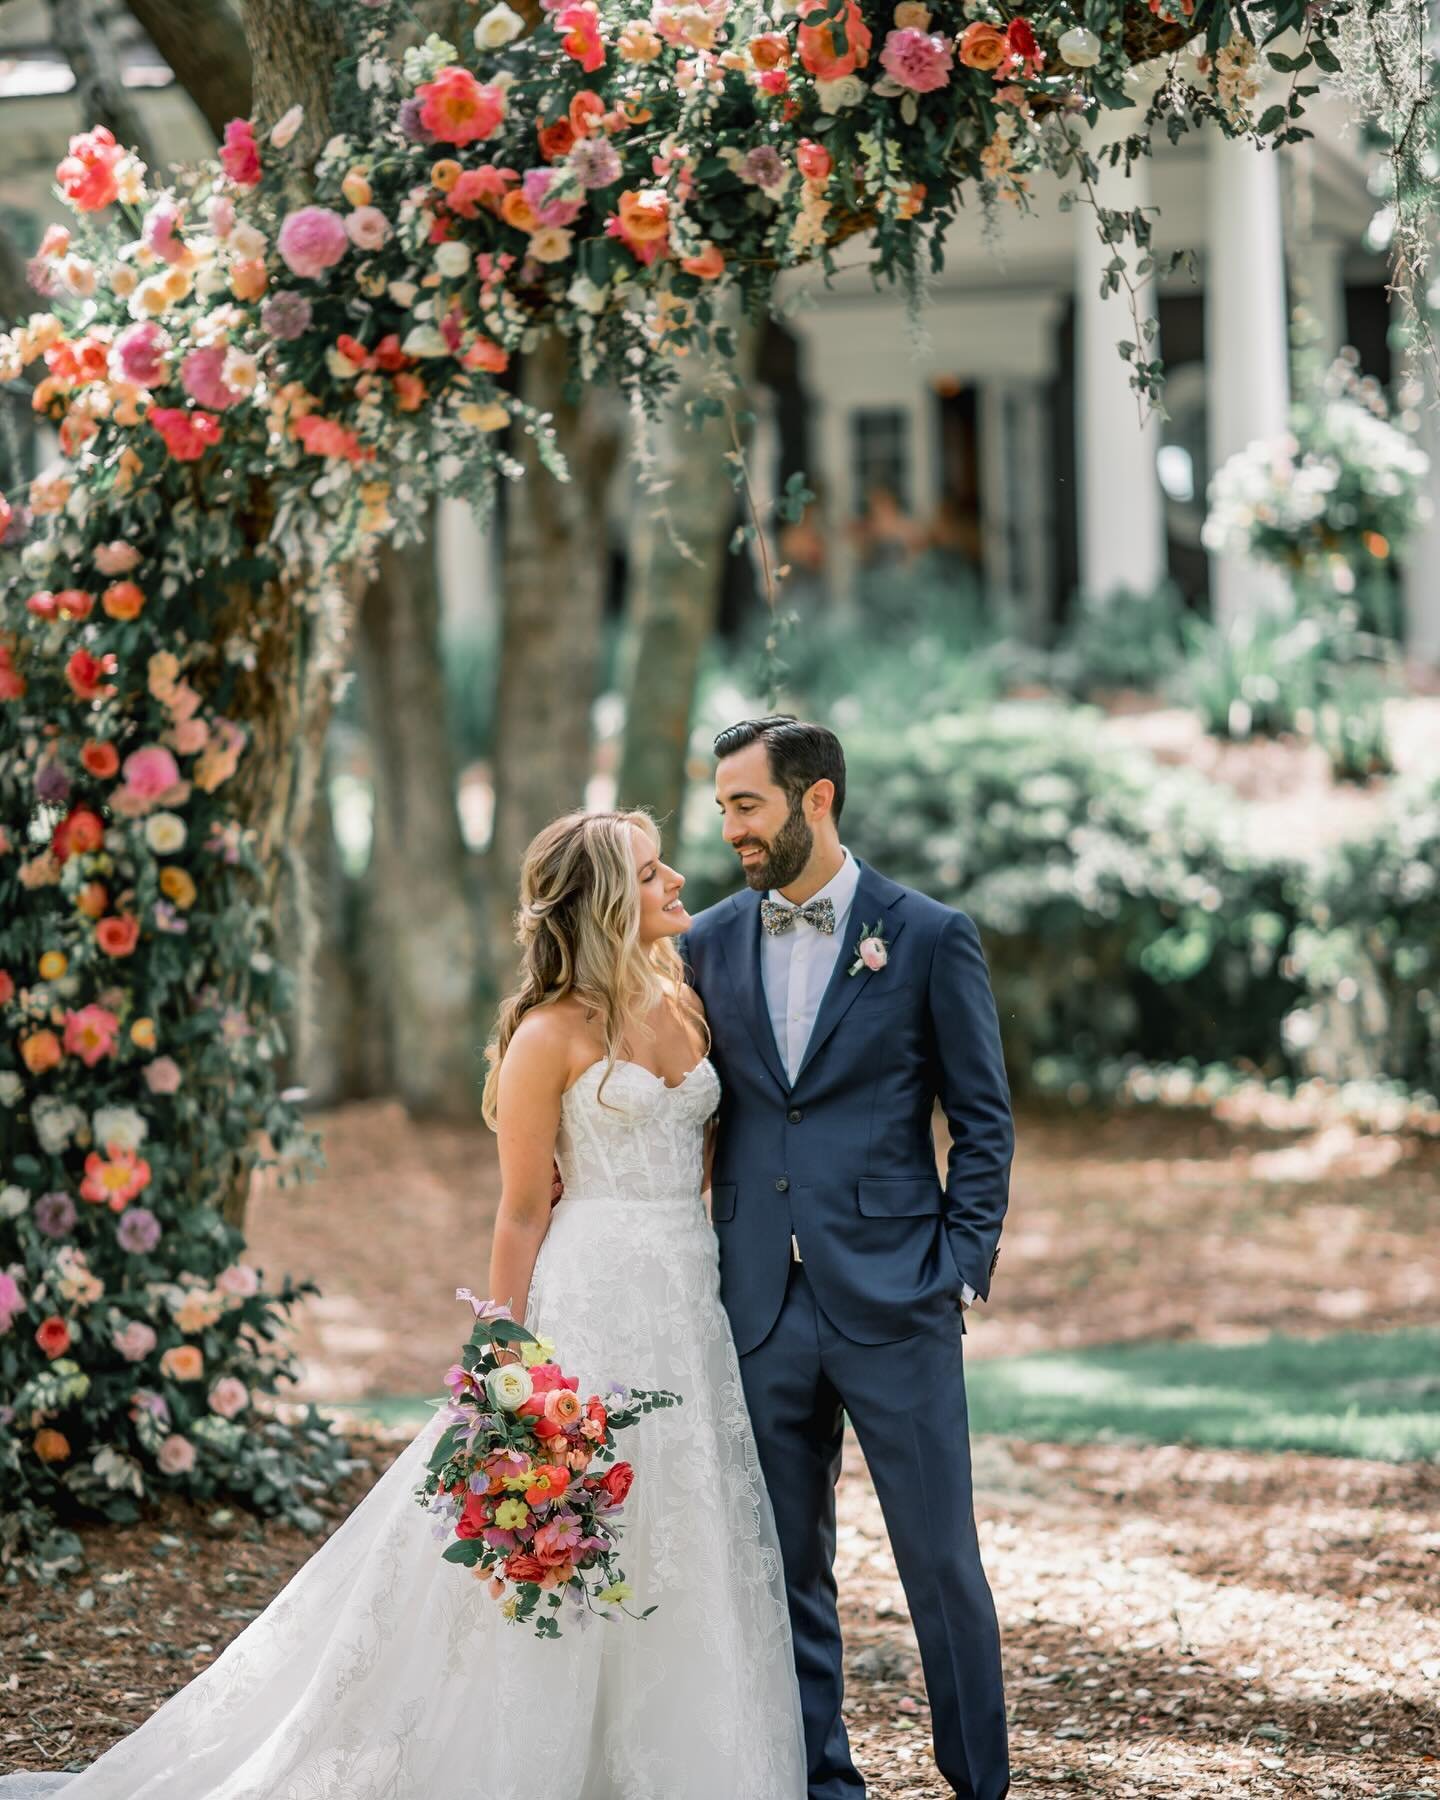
x=872, y=951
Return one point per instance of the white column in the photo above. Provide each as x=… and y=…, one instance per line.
x=1422, y=555
x=1246, y=348
x=1324, y=277
x=1121, y=508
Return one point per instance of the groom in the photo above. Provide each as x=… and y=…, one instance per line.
x=842, y=1007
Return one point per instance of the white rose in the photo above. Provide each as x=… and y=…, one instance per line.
x=425, y=340
x=246, y=244
x=165, y=833
x=585, y=294
x=834, y=96
x=452, y=259
x=119, y=1125
x=509, y=1387
x=1079, y=47
x=55, y=1122
x=286, y=126
x=403, y=293
x=499, y=27
x=11, y=1088
x=13, y=1202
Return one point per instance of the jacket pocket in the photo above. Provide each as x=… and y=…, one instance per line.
x=722, y=1200
x=910, y=1198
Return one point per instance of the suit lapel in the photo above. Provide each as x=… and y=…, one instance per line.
x=874, y=896
x=740, y=944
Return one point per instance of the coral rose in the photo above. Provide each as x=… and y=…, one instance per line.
x=51, y=1445
x=187, y=435
x=239, y=154
x=524, y=1567
x=118, y=935
x=455, y=108
x=79, y=833
x=40, y=1051
x=616, y=1482
x=707, y=264
x=182, y=1362
x=89, y=174
x=581, y=25
x=90, y=1033
x=122, y=600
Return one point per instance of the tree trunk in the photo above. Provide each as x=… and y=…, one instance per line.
x=553, y=583
x=676, y=566
x=100, y=92
x=294, y=47
x=17, y=298
x=420, y=877
x=207, y=53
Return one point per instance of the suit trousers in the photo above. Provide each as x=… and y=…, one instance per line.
x=906, y=1401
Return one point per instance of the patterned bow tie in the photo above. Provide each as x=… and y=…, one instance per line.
x=778, y=918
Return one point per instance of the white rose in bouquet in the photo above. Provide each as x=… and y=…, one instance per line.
x=509, y=1387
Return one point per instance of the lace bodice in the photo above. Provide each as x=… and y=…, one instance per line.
x=640, y=1139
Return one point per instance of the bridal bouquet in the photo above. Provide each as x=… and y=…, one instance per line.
x=525, y=1473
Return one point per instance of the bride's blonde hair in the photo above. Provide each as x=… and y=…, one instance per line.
x=578, y=928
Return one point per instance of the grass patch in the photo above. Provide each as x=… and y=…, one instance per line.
x=1372, y=1394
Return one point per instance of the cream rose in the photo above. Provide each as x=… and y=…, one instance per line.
x=509, y=1387
x=498, y=27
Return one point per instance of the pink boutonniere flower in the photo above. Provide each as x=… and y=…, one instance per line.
x=871, y=949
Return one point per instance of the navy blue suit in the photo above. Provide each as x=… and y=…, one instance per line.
x=869, y=1322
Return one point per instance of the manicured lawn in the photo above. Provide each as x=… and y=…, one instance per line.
x=1372, y=1394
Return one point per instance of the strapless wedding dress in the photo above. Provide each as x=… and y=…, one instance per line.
x=381, y=1672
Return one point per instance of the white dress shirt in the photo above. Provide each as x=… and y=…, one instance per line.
x=796, y=966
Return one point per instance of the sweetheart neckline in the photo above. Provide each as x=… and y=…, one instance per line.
x=625, y=1062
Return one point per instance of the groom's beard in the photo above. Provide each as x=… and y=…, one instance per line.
x=785, y=855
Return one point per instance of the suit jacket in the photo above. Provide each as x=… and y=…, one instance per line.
x=843, y=1159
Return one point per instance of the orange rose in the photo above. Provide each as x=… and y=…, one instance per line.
x=708, y=264
x=182, y=1362
x=92, y=899
x=769, y=51
x=51, y=1445
x=118, y=935
x=178, y=885
x=53, y=1336
x=445, y=173
x=249, y=280
x=516, y=210
x=817, y=46
x=561, y=1406
x=587, y=109
x=122, y=600
x=645, y=214
x=40, y=1051
x=982, y=46
x=555, y=140
x=100, y=759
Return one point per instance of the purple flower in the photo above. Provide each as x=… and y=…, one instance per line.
x=52, y=783
x=411, y=124
x=286, y=315
x=596, y=162
x=763, y=167
x=55, y=1215
x=138, y=1230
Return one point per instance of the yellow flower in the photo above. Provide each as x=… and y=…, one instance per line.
x=540, y=1351
x=493, y=417
x=512, y=1515
x=142, y=1034
x=179, y=886
x=616, y=1594
x=53, y=965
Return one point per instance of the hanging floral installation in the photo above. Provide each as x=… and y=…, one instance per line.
x=259, y=368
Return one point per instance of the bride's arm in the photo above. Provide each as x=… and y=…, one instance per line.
x=533, y=1078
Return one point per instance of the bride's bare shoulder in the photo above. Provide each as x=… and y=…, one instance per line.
x=553, y=1042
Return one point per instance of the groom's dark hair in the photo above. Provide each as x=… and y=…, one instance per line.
x=799, y=754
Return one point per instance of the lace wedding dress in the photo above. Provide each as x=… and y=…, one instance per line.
x=381, y=1672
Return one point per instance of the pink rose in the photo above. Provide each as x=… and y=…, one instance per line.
x=545, y=1377
x=312, y=240
x=12, y=1301
x=220, y=215
x=135, y=1341
x=162, y=1076
x=367, y=228
x=89, y=174
x=229, y=1396
x=117, y=558
x=239, y=1279
x=150, y=772
x=239, y=155
x=918, y=60
x=176, y=1455
x=138, y=354
x=201, y=376
x=873, y=953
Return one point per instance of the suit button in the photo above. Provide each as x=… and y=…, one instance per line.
x=795, y=1115
x=782, y=1186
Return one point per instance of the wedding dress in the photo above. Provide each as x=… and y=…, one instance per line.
x=382, y=1672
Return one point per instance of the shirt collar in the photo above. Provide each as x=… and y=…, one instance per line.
x=839, y=889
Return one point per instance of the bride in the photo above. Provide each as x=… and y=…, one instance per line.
x=382, y=1672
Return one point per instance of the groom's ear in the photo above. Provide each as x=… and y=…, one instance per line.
x=820, y=798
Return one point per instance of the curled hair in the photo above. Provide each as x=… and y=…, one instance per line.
x=578, y=928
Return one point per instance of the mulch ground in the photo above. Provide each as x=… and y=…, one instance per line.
x=1176, y=1622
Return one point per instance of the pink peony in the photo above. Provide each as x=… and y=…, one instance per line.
x=176, y=1455
x=201, y=375
x=134, y=1341
x=162, y=1076
x=151, y=772
x=536, y=185
x=239, y=156
x=918, y=60
x=138, y=355
x=367, y=228
x=873, y=953
x=158, y=232
x=312, y=240
x=229, y=1396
